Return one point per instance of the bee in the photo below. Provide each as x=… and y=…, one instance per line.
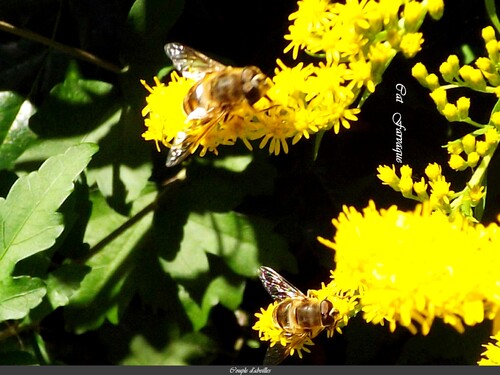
x=218, y=90
x=302, y=317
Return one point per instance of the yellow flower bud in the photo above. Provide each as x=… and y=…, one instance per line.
x=473, y=159
x=446, y=71
x=388, y=176
x=463, y=105
x=406, y=186
x=488, y=33
x=433, y=171
x=495, y=119
x=482, y=147
x=450, y=111
x=420, y=189
x=491, y=136
x=457, y=163
x=439, y=97
x=492, y=48
x=413, y=12
x=435, y=8
x=469, y=143
x=440, y=188
x=432, y=81
x=476, y=194
x=485, y=64
x=405, y=171
x=455, y=147
x=419, y=71
x=411, y=44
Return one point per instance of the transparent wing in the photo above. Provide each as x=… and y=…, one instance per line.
x=277, y=286
x=191, y=63
x=186, y=142
x=277, y=353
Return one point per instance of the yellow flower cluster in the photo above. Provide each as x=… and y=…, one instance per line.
x=346, y=306
x=434, y=188
x=472, y=148
x=410, y=268
x=484, y=78
x=491, y=356
x=353, y=42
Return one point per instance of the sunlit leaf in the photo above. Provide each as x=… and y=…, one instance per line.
x=29, y=219
x=19, y=295
x=15, y=134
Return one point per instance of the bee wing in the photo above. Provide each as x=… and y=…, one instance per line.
x=185, y=143
x=191, y=63
x=277, y=353
x=277, y=286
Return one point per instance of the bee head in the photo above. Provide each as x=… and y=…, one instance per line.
x=328, y=313
x=255, y=83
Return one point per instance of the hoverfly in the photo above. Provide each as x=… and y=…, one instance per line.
x=301, y=317
x=218, y=90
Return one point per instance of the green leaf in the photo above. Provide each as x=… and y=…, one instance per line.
x=75, y=107
x=219, y=290
x=492, y=13
x=106, y=289
x=182, y=351
x=15, y=134
x=29, y=220
x=17, y=358
x=19, y=295
x=230, y=236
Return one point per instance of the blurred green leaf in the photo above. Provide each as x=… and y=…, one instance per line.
x=28, y=216
x=17, y=358
x=75, y=107
x=182, y=351
x=15, y=133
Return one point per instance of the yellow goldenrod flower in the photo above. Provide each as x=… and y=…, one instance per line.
x=495, y=119
x=488, y=33
x=388, y=176
x=411, y=44
x=469, y=143
x=482, y=147
x=491, y=136
x=406, y=186
x=165, y=116
x=413, y=267
x=455, y=147
x=463, y=105
x=491, y=356
x=457, y=162
x=420, y=188
x=440, y=188
x=476, y=193
x=439, y=97
x=433, y=171
x=450, y=111
x=419, y=71
x=413, y=13
x=435, y=8
x=473, y=159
